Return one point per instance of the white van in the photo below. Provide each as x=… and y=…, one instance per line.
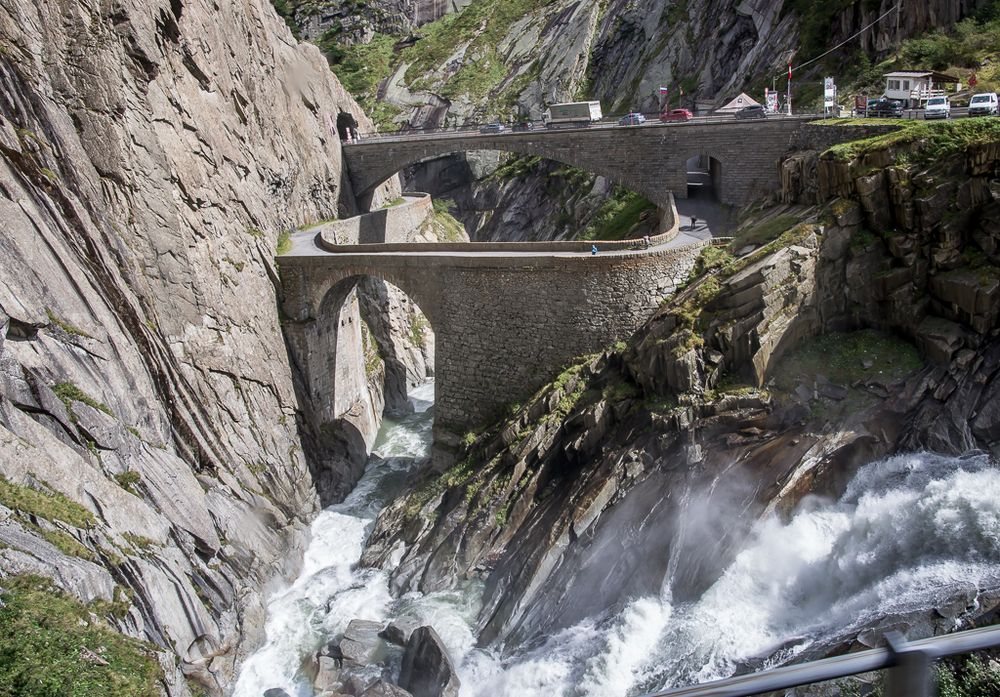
x=937, y=108
x=985, y=104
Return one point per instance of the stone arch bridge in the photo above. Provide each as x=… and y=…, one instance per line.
x=649, y=159
x=507, y=317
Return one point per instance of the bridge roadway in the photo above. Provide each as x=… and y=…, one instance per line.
x=507, y=317
x=650, y=159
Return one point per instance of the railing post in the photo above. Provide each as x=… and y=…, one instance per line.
x=910, y=674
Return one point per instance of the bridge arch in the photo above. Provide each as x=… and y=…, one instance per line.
x=345, y=387
x=372, y=175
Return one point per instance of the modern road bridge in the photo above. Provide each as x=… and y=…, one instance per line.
x=650, y=159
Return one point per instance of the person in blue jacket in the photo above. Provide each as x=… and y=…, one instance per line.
x=593, y=249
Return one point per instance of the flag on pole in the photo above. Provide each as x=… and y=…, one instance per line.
x=664, y=90
x=789, y=71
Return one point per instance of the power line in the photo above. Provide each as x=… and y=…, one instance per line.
x=846, y=41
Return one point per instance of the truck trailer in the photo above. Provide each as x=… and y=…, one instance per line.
x=569, y=114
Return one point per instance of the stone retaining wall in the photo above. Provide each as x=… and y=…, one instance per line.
x=392, y=225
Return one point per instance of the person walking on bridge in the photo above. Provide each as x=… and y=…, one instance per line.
x=593, y=249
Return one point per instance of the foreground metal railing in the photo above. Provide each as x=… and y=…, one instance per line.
x=909, y=666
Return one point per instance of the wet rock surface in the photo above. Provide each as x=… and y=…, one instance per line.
x=427, y=669
x=621, y=441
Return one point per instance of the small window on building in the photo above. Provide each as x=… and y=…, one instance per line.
x=906, y=84
x=893, y=84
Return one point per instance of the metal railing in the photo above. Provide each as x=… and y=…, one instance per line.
x=909, y=666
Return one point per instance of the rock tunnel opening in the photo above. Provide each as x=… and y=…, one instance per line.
x=370, y=344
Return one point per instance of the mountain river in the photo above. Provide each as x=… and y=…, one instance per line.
x=911, y=532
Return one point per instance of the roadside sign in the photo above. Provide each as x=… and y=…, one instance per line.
x=829, y=93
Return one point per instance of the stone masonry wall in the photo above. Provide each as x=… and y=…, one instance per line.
x=504, y=325
x=395, y=224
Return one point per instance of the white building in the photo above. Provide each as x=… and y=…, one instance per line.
x=914, y=87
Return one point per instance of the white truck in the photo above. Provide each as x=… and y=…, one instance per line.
x=569, y=114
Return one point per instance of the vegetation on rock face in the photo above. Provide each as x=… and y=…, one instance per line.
x=845, y=357
x=969, y=676
x=618, y=215
x=51, y=645
x=924, y=141
x=68, y=392
x=50, y=505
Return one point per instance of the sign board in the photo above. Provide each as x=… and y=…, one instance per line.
x=771, y=100
x=829, y=93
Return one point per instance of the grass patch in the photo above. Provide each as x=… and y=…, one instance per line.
x=256, y=233
x=68, y=392
x=128, y=480
x=762, y=232
x=49, y=505
x=419, y=328
x=284, y=245
x=398, y=201
x=924, y=142
x=841, y=357
x=51, y=645
x=67, y=327
x=617, y=216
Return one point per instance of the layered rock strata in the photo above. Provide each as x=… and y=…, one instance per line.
x=152, y=152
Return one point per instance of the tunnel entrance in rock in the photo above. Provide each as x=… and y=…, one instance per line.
x=370, y=345
x=704, y=178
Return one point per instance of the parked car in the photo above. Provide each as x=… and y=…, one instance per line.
x=885, y=108
x=522, y=126
x=495, y=127
x=754, y=111
x=937, y=108
x=676, y=115
x=633, y=118
x=984, y=104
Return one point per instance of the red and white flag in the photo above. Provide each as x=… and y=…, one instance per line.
x=789, y=71
x=664, y=90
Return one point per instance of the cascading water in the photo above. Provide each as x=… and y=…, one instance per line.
x=911, y=533
x=330, y=591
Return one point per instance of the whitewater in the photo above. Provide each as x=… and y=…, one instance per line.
x=911, y=533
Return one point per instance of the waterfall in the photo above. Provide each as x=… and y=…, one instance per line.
x=911, y=533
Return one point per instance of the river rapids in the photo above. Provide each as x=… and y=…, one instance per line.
x=910, y=533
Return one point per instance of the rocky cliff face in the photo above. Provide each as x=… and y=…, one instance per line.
x=641, y=441
x=151, y=154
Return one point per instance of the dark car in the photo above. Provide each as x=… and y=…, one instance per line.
x=522, y=126
x=885, y=109
x=676, y=115
x=754, y=111
x=492, y=128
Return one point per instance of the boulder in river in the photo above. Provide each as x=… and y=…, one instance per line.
x=361, y=642
x=427, y=668
x=276, y=692
x=399, y=630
